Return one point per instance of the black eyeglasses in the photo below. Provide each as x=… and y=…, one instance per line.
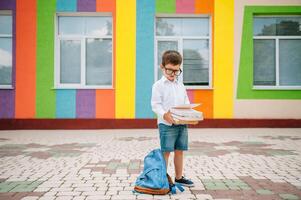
x=171, y=71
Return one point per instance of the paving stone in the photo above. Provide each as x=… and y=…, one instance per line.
x=123, y=197
x=148, y=196
x=289, y=196
x=264, y=192
x=64, y=198
x=79, y=198
x=73, y=193
x=61, y=189
x=96, y=197
x=204, y=196
x=30, y=198
x=94, y=193
x=84, y=189
x=47, y=198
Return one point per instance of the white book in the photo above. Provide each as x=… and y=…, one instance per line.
x=187, y=118
x=185, y=114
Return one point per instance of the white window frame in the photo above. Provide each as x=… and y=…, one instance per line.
x=8, y=13
x=180, y=46
x=82, y=84
x=276, y=40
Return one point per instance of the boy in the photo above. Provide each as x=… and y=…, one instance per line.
x=166, y=93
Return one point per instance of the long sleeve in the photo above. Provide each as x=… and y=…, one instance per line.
x=156, y=101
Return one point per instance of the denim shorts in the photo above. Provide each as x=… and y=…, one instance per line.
x=173, y=137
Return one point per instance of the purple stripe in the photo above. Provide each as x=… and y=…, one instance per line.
x=7, y=4
x=85, y=104
x=7, y=103
x=7, y=97
x=86, y=5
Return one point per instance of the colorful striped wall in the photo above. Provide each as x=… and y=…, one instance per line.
x=35, y=96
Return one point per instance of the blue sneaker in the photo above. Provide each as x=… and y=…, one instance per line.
x=185, y=182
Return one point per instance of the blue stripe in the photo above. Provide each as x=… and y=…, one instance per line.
x=144, y=57
x=66, y=99
x=66, y=5
x=65, y=103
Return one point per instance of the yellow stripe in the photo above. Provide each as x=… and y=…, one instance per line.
x=223, y=59
x=125, y=58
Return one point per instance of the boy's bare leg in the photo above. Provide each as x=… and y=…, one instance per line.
x=178, y=161
x=166, y=156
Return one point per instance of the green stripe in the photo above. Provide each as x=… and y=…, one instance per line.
x=45, y=95
x=165, y=6
x=245, y=76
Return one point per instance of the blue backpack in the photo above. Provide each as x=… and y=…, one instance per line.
x=154, y=178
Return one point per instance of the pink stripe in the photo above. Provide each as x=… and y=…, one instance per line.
x=190, y=95
x=185, y=6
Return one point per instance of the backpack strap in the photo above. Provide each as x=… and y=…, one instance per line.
x=179, y=186
x=173, y=189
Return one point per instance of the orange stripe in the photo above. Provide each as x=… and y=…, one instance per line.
x=206, y=98
x=105, y=99
x=105, y=104
x=204, y=6
x=25, y=58
x=105, y=6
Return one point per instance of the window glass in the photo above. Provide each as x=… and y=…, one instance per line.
x=99, y=62
x=5, y=61
x=290, y=62
x=264, y=62
x=289, y=26
x=196, y=62
x=6, y=24
x=264, y=26
x=97, y=26
x=168, y=26
x=70, y=61
x=195, y=27
x=71, y=26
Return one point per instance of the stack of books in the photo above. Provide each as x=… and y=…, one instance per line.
x=185, y=114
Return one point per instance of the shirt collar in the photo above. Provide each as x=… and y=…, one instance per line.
x=165, y=80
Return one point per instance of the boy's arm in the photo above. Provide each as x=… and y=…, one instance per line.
x=156, y=102
x=157, y=106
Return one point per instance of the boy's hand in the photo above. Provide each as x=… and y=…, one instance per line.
x=167, y=117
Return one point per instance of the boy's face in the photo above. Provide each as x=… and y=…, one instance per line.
x=170, y=71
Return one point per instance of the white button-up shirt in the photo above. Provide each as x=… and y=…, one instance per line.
x=167, y=94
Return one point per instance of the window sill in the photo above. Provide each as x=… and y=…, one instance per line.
x=198, y=87
x=6, y=87
x=276, y=88
x=83, y=88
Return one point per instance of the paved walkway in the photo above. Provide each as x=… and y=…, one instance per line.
x=104, y=164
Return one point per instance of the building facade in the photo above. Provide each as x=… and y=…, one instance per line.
x=98, y=59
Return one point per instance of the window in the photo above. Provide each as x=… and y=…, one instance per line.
x=5, y=50
x=277, y=52
x=84, y=52
x=191, y=36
